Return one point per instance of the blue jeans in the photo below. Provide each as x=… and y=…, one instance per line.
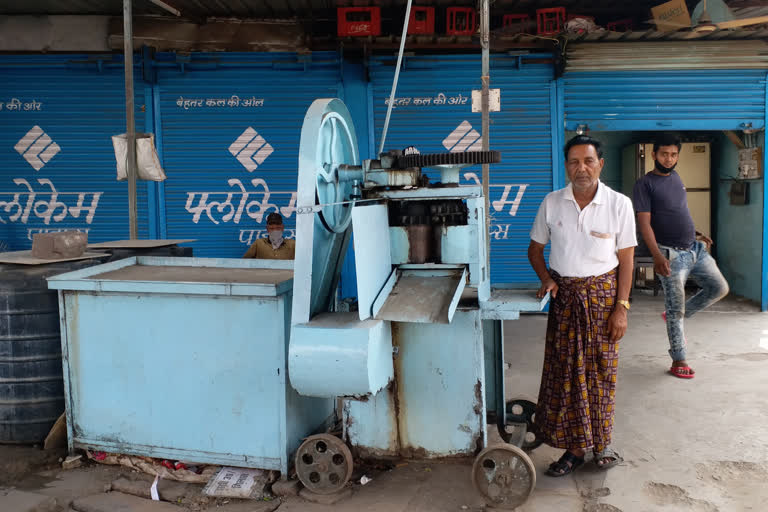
x=701, y=267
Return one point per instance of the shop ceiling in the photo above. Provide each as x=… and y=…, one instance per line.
x=316, y=9
x=314, y=21
x=604, y=11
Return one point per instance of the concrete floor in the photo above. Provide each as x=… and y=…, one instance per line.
x=696, y=445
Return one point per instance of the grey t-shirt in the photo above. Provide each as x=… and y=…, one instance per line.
x=666, y=200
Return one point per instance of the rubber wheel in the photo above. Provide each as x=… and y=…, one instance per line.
x=504, y=475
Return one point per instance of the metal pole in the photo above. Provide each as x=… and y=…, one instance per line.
x=397, y=75
x=130, y=121
x=485, y=79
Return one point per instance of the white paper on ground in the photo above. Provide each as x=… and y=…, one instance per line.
x=153, y=490
x=237, y=483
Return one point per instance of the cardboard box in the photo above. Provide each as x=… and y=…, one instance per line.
x=64, y=244
x=671, y=16
x=750, y=163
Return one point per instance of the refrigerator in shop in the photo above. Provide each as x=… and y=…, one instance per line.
x=693, y=168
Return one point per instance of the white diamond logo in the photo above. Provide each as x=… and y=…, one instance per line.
x=463, y=138
x=37, y=148
x=250, y=149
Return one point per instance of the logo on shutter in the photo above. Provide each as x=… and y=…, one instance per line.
x=463, y=138
x=250, y=149
x=37, y=148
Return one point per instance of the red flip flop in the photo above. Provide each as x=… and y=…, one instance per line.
x=677, y=372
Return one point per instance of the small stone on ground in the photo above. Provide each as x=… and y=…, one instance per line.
x=286, y=488
x=72, y=462
x=119, y=502
x=168, y=490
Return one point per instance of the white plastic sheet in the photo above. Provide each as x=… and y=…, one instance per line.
x=147, y=162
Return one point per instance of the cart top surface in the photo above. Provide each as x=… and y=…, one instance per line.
x=197, y=274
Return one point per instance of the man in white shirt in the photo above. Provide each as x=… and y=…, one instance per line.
x=591, y=229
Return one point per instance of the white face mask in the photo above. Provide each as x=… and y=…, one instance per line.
x=275, y=238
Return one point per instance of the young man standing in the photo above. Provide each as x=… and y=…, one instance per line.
x=679, y=251
x=591, y=229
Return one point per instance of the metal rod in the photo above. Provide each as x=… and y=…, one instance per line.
x=764, y=270
x=167, y=7
x=486, y=79
x=397, y=76
x=130, y=121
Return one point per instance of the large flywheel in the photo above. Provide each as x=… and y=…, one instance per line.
x=323, y=205
x=328, y=140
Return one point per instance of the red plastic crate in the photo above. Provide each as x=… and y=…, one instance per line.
x=518, y=21
x=624, y=25
x=359, y=21
x=550, y=21
x=461, y=21
x=422, y=20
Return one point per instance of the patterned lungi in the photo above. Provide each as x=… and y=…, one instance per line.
x=578, y=382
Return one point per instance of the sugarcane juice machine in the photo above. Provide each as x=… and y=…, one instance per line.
x=419, y=366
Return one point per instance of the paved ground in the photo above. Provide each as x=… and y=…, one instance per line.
x=699, y=445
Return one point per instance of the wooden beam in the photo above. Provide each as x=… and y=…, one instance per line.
x=744, y=22
x=734, y=137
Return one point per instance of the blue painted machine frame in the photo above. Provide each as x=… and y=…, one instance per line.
x=183, y=370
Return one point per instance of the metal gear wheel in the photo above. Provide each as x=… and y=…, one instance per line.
x=435, y=159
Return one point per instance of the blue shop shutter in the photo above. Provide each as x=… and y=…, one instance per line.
x=665, y=100
x=57, y=116
x=433, y=111
x=231, y=125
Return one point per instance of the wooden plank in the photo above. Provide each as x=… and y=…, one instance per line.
x=757, y=20
x=26, y=258
x=733, y=137
x=57, y=437
x=138, y=244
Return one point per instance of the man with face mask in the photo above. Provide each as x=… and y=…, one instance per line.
x=274, y=246
x=679, y=251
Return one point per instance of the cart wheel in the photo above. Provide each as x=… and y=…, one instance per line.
x=323, y=464
x=520, y=415
x=504, y=475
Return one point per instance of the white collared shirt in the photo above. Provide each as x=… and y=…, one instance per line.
x=585, y=241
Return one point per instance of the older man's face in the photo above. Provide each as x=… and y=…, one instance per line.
x=583, y=167
x=275, y=227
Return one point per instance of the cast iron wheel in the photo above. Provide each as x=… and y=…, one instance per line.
x=520, y=414
x=324, y=464
x=504, y=475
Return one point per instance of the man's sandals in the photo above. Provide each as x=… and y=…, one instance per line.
x=682, y=372
x=614, y=459
x=569, y=462
x=565, y=464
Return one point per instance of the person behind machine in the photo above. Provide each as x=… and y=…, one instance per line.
x=274, y=246
x=678, y=250
x=591, y=231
